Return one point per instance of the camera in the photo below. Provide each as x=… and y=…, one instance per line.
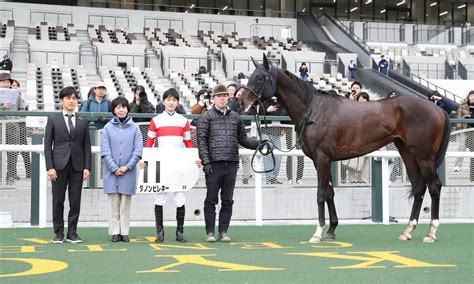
x=142, y=95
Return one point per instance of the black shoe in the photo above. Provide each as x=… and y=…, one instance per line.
x=115, y=238
x=160, y=237
x=73, y=239
x=125, y=238
x=58, y=239
x=180, y=237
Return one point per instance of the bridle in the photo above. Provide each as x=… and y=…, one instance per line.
x=265, y=147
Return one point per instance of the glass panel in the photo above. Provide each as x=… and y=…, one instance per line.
x=341, y=9
x=272, y=8
x=256, y=7
x=354, y=9
x=459, y=16
x=432, y=12
x=445, y=16
x=380, y=10
x=367, y=9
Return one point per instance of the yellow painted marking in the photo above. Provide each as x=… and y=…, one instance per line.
x=329, y=244
x=95, y=248
x=259, y=245
x=373, y=257
x=162, y=246
x=36, y=240
x=18, y=249
x=200, y=260
x=38, y=266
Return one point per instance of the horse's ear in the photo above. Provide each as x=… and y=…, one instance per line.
x=254, y=62
x=265, y=62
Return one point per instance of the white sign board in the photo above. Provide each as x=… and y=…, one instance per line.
x=168, y=170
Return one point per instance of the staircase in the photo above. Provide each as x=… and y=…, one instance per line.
x=20, y=56
x=88, y=58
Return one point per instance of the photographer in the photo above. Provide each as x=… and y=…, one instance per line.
x=97, y=102
x=204, y=102
x=356, y=89
x=6, y=64
x=141, y=104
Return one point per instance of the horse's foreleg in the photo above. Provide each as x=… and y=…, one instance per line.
x=333, y=220
x=435, y=191
x=322, y=167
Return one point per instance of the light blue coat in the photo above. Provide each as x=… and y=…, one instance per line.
x=121, y=145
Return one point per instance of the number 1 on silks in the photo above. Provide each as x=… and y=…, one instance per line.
x=168, y=170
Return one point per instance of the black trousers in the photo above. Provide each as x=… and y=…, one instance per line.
x=223, y=180
x=70, y=180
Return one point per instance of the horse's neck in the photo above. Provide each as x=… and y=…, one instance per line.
x=291, y=97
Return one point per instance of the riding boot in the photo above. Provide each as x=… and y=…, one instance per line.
x=160, y=230
x=180, y=213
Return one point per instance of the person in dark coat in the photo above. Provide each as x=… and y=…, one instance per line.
x=383, y=65
x=67, y=150
x=443, y=102
x=219, y=133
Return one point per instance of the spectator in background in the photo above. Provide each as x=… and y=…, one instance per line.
x=443, y=102
x=160, y=107
x=383, y=65
x=352, y=69
x=140, y=103
x=6, y=64
x=23, y=134
x=203, y=103
x=233, y=100
x=356, y=89
x=303, y=71
x=121, y=149
x=97, y=102
x=466, y=110
x=363, y=97
x=12, y=128
x=202, y=70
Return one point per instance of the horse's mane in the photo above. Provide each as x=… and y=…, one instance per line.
x=308, y=88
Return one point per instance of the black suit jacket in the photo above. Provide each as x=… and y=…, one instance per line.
x=59, y=145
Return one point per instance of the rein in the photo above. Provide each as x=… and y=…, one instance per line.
x=266, y=147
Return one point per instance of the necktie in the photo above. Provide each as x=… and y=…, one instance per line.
x=69, y=122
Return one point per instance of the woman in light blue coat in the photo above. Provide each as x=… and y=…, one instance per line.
x=121, y=149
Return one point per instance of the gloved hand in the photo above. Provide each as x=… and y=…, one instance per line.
x=207, y=169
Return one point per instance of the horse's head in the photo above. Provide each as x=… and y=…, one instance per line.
x=260, y=87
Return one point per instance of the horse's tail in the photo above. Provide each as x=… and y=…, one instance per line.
x=443, y=147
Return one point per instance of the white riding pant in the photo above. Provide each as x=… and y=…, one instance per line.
x=179, y=198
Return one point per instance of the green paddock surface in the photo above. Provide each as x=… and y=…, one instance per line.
x=270, y=254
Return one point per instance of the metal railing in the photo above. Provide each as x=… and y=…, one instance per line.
x=104, y=16
x=158, y=20
x=57, y=14
x=117, y=55
x=213, y=22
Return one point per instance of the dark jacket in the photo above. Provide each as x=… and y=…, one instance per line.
x=160, y=107
x=144, y=107
x=448, y=105
x=219, y=136
x=59, y=146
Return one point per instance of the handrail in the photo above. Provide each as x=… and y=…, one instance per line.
x=348, y=31
x=52, y=13
x=8, y=10
x=216, y=22
x=162, y=19
x=428, y=84
x=115, y=17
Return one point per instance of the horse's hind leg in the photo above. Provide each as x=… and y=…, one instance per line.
x=333, y=220
x=418, y=189
x=435, y=192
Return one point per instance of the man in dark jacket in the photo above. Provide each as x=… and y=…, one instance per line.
x=219, y=133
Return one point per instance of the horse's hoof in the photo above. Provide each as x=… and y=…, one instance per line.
x=404, y=237
x=429, y=239
x=329, y=237
x=315, y=239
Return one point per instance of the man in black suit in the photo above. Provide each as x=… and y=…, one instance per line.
x=67, y=149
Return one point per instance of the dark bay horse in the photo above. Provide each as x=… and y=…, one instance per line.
x=333, y=128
